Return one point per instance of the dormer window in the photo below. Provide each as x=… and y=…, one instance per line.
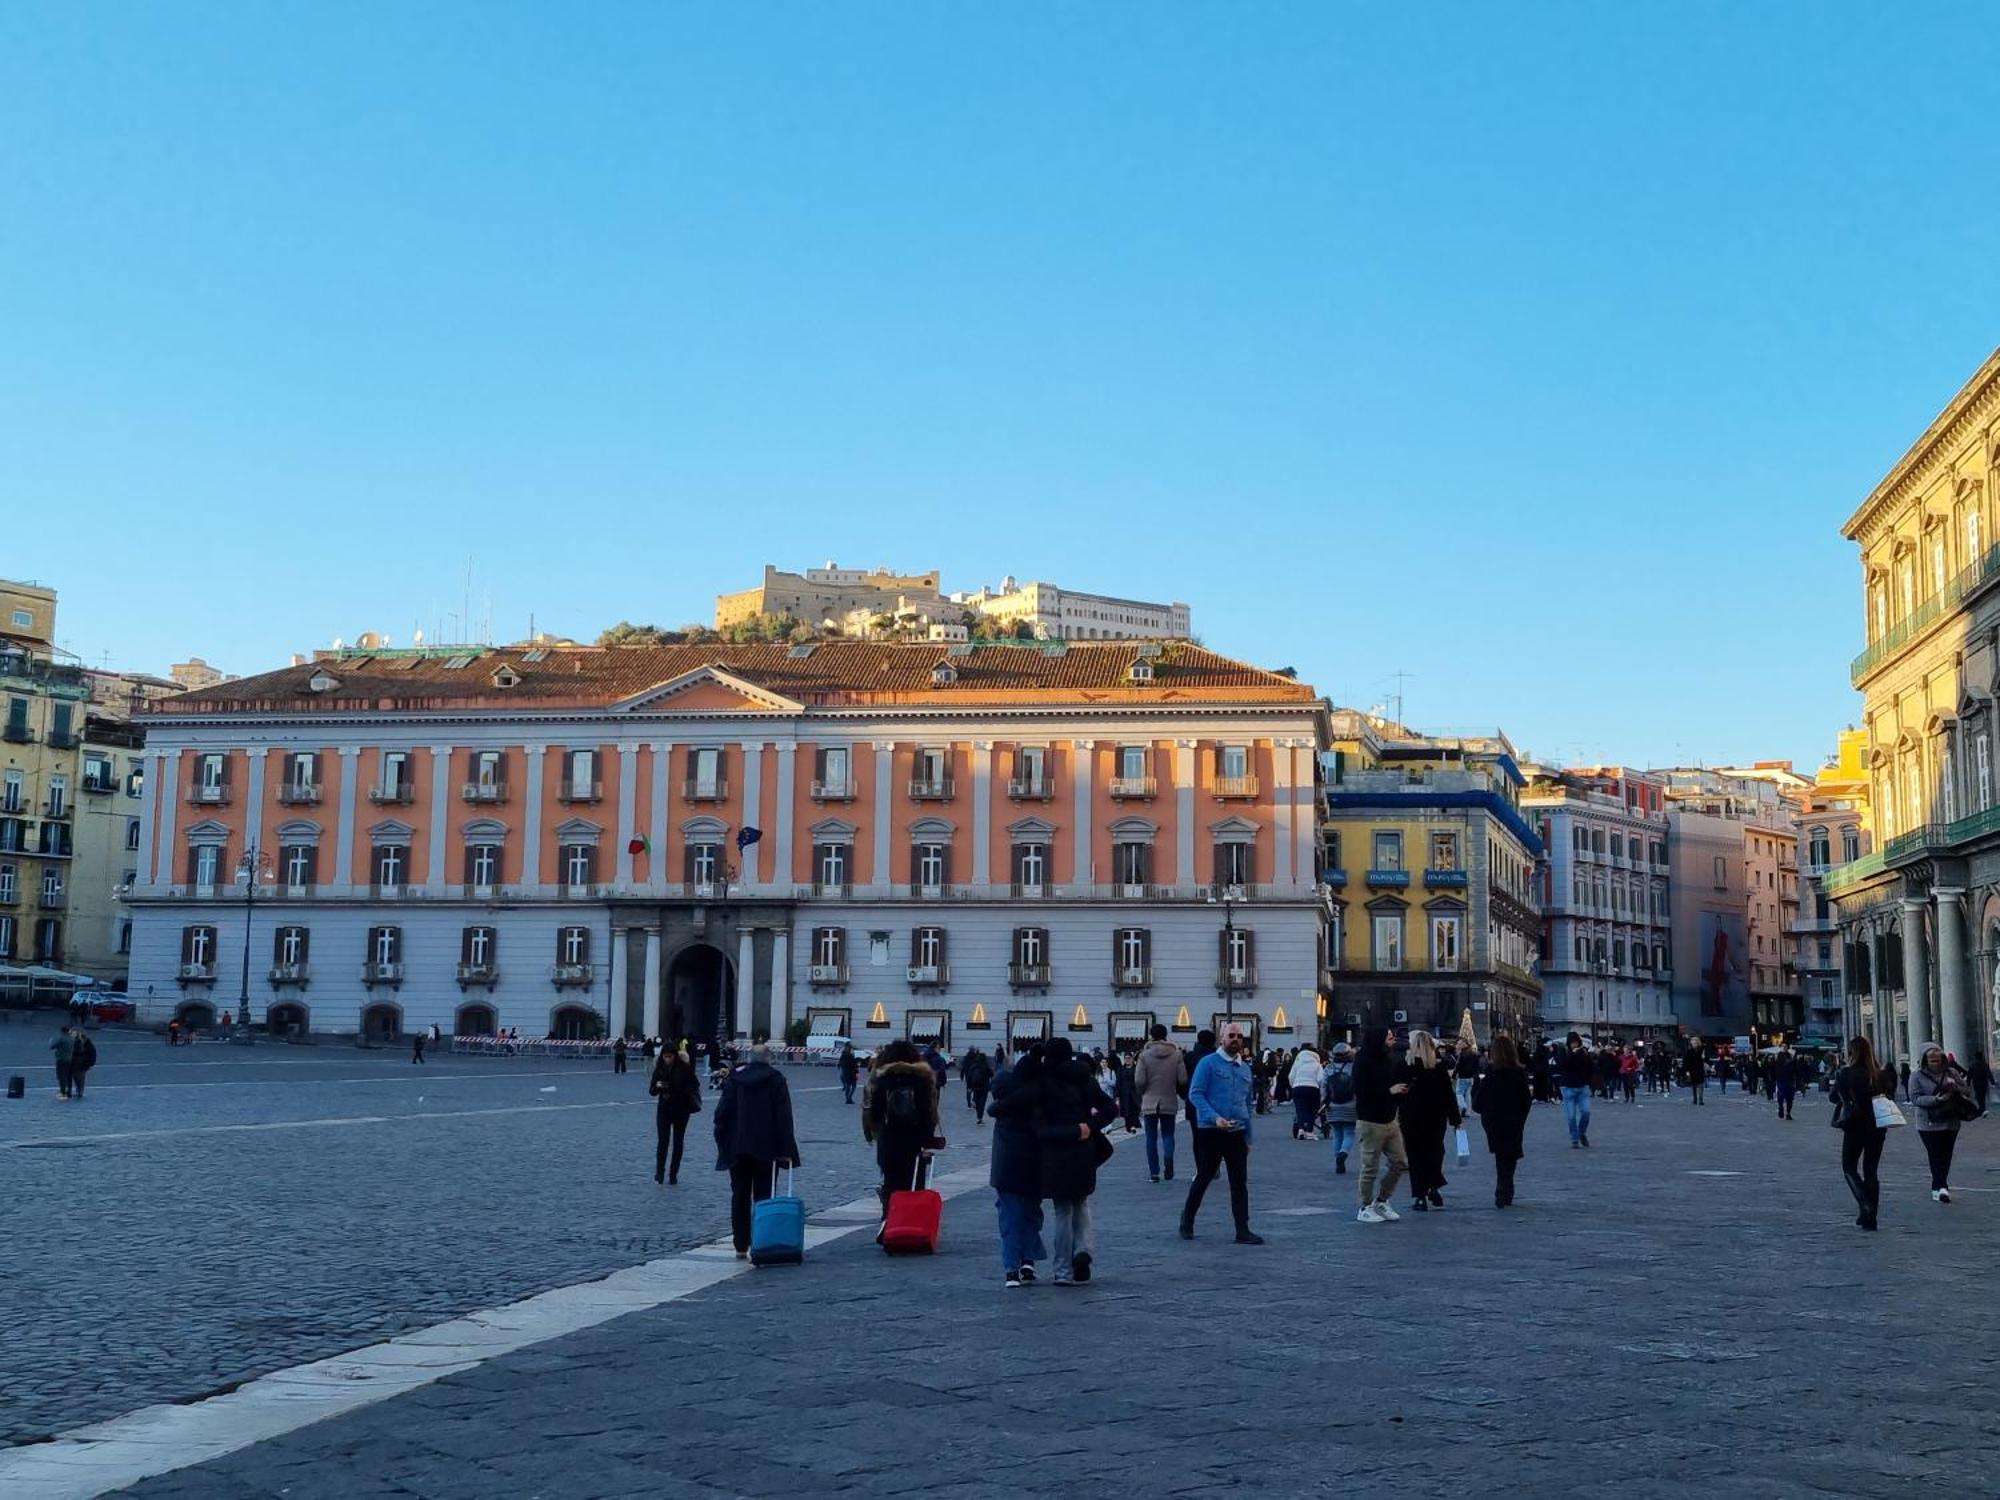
x=322, y=682
x=944, y=674
x=1139, y=671
x=506, y=677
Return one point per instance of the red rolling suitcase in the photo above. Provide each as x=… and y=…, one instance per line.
x=915, y=1217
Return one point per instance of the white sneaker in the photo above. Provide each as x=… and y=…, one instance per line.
x=1387, y=1213
x=1943, y=1195
x=1368, y=1215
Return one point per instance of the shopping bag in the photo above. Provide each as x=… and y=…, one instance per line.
x=1463, y=1144
x=1887, y=1116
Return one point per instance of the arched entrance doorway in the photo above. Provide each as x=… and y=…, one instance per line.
x=700, y=991
x=475, y=1020
x=287, y=1018
x=382, y=1022
x=196, y=1014
x=575, y=1023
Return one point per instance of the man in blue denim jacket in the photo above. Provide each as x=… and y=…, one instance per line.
x=1220, y=1093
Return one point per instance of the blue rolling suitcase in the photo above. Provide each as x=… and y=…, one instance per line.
x=778, y=1226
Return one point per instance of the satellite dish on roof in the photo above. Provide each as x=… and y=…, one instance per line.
x=419, y=638
x=339, y=644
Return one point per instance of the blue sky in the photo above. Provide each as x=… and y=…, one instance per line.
x=1537, y=351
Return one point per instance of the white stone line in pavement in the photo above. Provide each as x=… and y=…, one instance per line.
x=341, y=1120
x=105, y=1456
x=420, y=1076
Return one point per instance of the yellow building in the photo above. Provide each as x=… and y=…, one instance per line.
x=1431, y=867
x=1921, y=919
x=831, y=593
x=43, y=700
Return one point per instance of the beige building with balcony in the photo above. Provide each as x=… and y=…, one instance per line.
x=1921, y=919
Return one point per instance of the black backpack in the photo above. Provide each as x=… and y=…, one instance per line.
x=1340, y=1084
x=903, y=1105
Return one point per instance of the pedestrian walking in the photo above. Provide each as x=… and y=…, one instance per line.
x=1785, y=1081
x=417, y=1043
x=1126, y=1064
x=940, y=1069
x=1503, y=1101
x=677, y=1086
x=1980, y=1075
x=1905, y=1069
x=1574, y=1071
x=82, y=1059
x=1543, y=1075
x=64, y=1047
x=901, y=1118
x=1160, y=1075
x=1378, y=1088
x=976, y=1072
x=849, y=1068
x=1941, y=1099
x=1425, y=1113
x=1016, y=1169
x=618, y=1056
x=1854, y=1091
x=1221, y=1093
x=1204, y=1043
x=1072, y=1110
x=753, y=1134
x=1628, y=1073
x=1607, y=1071
x=1696, y=1067
x=1337, y=1101
x=1305, y=1082
x=1465, y=1073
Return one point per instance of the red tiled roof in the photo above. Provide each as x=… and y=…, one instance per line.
x=831, y=674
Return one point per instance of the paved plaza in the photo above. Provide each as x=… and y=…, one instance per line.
x=1686, y=1303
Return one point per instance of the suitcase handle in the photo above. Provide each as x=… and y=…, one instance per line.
x=786, y=1190
x=917, y=1173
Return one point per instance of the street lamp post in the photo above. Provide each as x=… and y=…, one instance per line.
x=250, y=866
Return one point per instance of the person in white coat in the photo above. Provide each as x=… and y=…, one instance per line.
x=1305, y=1081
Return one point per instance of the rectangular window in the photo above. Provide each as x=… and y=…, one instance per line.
x=207, y=866
x=1983, y=755
x=833, y=776
x=1388, y=941
x=1388, y=851
x=489, y=770
x=289, y=947
x=1031, y=947
x=830, y=861
x=1234, y=762
x=927, y=948
x=392, y=861
x=707, y=773
x=829, y=947
x=131, y=833
x=1031, y=771
x=297, y=862
x=395, y=771
x=97, y=773
x=476, y=947
x=14, y=793
x=573, y=946
x=8, y=927
x=1444, y=851
x=9, y=887
x=1445, y=942
x=1134, y=949
x=198, y=946
x=1031, y=868
x=385, y=945
x=1132, y=867
x=932, y=768
x=579, y=864
x=485, y=861
x=1238, y=948
x=1235, y=865
x=1721, y=873
x=582, y=775
x=930, y=869
x=212, y=772
x=1131, y=762
x=704, y=866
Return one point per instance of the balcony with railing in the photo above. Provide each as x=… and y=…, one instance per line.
x=1933, y=836
x=1131, y=976
x=1957, y=589
x=214, y=794
x=1235, y=979
x=1132, y=788
x=571, y=976
x=64, y=739
x=932, y=789
x=1032, y=788
x=54, y=900
x=1228, y=788
x=486, y=973
x=289, y=976
x=381, y=973
x=928, y=976
x=1029, y=976
x=393, y=793
x=196, y=973
x=1388, y=880
x=827, y=976
x=298, y=794
x=99, y=785
x=1446, y=880
x=833, y=790
x=705, y=789
x=1855, y=871
x=485, y=793
x=579, y=791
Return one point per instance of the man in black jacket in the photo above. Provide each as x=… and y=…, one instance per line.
x=1378, y=1085
x=753, y=1132
x=1575, y=1071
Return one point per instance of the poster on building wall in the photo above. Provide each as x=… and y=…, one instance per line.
x=1725, y=975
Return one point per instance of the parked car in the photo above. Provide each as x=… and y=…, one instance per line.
x=109, y=1008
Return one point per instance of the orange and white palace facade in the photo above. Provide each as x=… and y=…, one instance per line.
x=969, y=844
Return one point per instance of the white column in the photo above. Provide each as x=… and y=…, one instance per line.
x=1954, y=1031
x=253, y=810
x=780, y=985
x=343, y=848
x=1080, y=753
x=663, y=758
x=1916, y=979
x=781, y=836
x=155, y=775
x=652, y=1011
x=885, y=767
x=746, y=976
x=531, y=833
x=753, y=795
x=982, y=813
x=440, y=810
x=628, y=811
x=619, y=945
x=1183, y=762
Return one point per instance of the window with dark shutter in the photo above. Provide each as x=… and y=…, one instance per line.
x=193, y=865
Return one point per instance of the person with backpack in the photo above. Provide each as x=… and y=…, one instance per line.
x=901, y=1119
x=1304, y=1079
x=1016, y=1169
x=1160, y=1075
x=976, y=1070
x=677, y=1086
x=1337, y=1089
x=81, y=1062
x=753, y=1133
x=1071, y=1111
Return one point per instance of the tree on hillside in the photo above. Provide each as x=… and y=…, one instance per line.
x=625, y=633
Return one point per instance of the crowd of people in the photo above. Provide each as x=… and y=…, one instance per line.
x=1401, y=1105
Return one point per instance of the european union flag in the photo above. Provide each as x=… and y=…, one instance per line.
x=746, y=836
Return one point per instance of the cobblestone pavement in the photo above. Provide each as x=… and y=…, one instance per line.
x=1686, y=1302
x=154, y=1255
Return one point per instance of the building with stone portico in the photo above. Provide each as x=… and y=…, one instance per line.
x=968, y=844
x=1920, y=917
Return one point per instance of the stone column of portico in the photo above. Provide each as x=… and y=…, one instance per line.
x=652, y=1012
x=781, y=990
x=1954, y=1031
x=618, y=947
x=746, y=979
x=1916, y=977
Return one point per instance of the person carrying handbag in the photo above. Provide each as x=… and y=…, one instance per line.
x=1855, y=1089
x=1941, y=1098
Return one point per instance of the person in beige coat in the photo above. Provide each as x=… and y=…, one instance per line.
x=1160, y=1075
